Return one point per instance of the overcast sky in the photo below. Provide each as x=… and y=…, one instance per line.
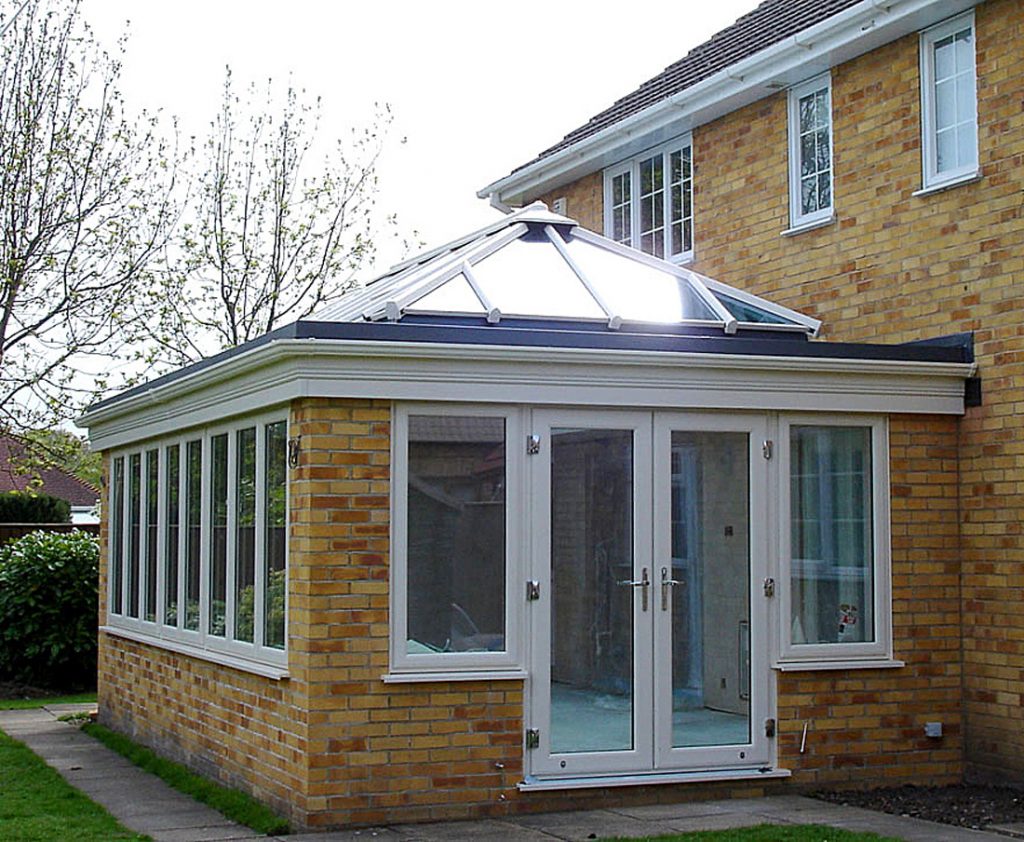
x=476, y=88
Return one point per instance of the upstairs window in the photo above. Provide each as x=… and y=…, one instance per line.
x=949, y=107
x=648, y=202
x=810, y=152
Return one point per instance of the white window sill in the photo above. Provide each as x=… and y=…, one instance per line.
x=966, y=178
x=277, y=673
x=808, y=226
x=819, y=666
x=532, y=784
x=453, y=675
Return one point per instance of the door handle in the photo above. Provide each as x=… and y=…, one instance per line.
x=666, y=584
x=644, y=582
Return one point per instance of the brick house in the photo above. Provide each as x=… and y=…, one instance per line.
x=538, y=520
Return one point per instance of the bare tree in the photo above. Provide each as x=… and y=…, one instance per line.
x=267, y=243
x=84, y=207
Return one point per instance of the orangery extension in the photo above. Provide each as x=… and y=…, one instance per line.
x=534, y=521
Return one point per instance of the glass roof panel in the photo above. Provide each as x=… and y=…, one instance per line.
x=455, y=296
x=745, y=312
x=636, y=291
x=530, y=278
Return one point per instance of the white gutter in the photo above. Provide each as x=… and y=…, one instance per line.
x=856, y=30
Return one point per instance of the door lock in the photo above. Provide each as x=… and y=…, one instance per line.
x=643, y=583
x=666, y=584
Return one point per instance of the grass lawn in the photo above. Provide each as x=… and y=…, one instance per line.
x=236, y=805
x=25, y=704
x=38, y=805
x=768, y=833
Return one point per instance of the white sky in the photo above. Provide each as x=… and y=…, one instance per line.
x=476, y=88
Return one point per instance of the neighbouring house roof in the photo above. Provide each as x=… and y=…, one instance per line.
x=771, y=22
x=536, y=265
x=779, y=44
x=51, y=480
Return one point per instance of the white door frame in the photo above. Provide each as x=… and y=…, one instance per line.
x=652, y=700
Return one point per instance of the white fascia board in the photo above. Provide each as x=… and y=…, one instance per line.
x=289, y=369
x=861, y=28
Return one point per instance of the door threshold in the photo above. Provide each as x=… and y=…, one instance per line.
x=535, y=784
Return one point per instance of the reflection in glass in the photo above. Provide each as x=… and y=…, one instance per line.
x=134, y=531
x=117, y=536
x=592, y=703
x=275, y=519
x=711, y=602
x=152, y=536
x=245, y=534
x=193, y=530
x=456, y=534
x=173, y=525
x=218, y=534
x=832, y=558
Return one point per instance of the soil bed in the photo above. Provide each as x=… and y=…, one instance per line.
x=964, y=805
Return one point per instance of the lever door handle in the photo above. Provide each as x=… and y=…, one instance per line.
x=644, y=582
x=667, y=583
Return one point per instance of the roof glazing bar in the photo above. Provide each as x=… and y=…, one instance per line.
x=493, y=313
x=445, y=274
x=614, y=320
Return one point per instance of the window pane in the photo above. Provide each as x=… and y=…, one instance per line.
x=944, y=59
x=965, y=147
x=117, y=536
x=822, y=107
x=622, y=224
x=245, y=534
x=456, y=534
x=275, y=514
x=823, y=159
x=171, y=550
x=807, y=114
x=824, y=190
x=964, y=47
x=218, y=534
x=945, y=151
x=193, y=530
x=152, y=535
x=945, y=104
x=134, y=531
x=807, y=155
x=808, y=195
x=832, y=559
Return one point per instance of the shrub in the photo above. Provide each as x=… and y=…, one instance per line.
x=26, y=507
x=48, y=610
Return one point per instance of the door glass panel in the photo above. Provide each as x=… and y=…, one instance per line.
x=592, y=699
x=709, y=583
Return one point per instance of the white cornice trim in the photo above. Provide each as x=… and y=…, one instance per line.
x=285, y=370
x=852, y=32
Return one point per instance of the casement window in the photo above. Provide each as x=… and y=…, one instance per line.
x=810, y=152
x=835, y=552
x=949, y=107
x=453, y=541
x=198, y=546
x=648, y=202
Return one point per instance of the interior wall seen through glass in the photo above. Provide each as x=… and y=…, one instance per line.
x=455, y=531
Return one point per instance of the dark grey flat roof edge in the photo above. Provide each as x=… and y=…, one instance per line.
x=751, y=342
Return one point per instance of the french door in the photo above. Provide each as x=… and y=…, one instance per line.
x=648, y=539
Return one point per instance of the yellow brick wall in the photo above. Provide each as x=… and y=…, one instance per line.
x=895, y=267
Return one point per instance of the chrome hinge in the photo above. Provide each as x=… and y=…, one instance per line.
x=532, y=590
x=533, y=737
x=532, y=444
x=769, y=587
x=769, y=728
x=766, y=448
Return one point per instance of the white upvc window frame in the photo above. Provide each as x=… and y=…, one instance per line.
x=457, y=665
x=799, y=220
x=254, y=657
x=632, y=167
x=878, y=652
x=932, y=179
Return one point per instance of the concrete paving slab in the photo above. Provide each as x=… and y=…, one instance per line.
x=1015, y=829
x=668, y=812
x=365, y=834
x=492, y=830
x=591, y=824
x=724, y=821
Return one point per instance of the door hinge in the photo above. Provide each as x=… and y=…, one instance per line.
x=766, y=448
x=532, y=590
x=532, y=444
x=769, y=728
x=769, y=587
x=533, y=737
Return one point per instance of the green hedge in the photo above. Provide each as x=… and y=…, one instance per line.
x=48, y=610
x=26, y=507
